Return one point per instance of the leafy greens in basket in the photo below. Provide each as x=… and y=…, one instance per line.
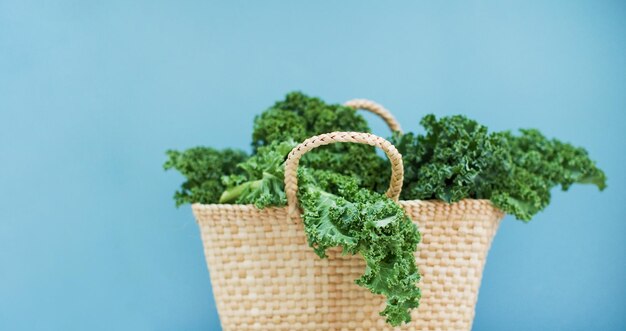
x=339, y=213
x=458, y=158
x=341, y=185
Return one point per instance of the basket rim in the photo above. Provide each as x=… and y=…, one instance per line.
x=433, y=202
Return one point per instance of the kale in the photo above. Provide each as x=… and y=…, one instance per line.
x=261, y=179
x=340, y=184
x=457, y=158
x=530, y=165
x=337, y=213
x=299, y=117
x=203, y=168
x=447, y=161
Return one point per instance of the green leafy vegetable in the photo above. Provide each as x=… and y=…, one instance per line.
x=446, y=162
x=458, y=158
x=519, y=182
x=339, y=213
x=203, y=168
x=299, y=117
x=261, y=179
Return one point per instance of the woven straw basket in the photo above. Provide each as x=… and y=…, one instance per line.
x=266, y=277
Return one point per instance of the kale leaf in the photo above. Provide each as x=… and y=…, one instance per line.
x=447, y=161
x=458, y=158
x=336, y=212
x=519, y=182
x=261, y=179
x=299, y=117
x=203, y=168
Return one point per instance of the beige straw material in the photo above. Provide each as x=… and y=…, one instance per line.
x=377, y=109
x=266, y=277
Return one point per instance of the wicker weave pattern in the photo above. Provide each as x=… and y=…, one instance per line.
x=377, y=109
x=265, y=277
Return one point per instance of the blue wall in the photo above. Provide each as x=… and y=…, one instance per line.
x=92, y=93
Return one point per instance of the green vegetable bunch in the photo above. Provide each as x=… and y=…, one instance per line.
x=203, y=167
x=337, y=213
x=261, y=179
x=209, y=171
x=340, y=184
x=457, y=158
x=299, y=117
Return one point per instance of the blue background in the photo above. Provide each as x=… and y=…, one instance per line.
x=93, y=93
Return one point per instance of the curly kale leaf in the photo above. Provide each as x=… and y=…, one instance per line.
x=339, y=213
x=299, y=117
x=557, y=162
x=446, y=162
x=261, y=178
x=458, y=158
x=358, y=161
x=520, y=183
x=203, y=168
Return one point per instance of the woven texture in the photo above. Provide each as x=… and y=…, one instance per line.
x=266, y=277
x=377, y=109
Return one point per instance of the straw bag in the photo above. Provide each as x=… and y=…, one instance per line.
x=266, y=277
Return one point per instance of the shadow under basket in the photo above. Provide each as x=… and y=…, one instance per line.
x=266, y=277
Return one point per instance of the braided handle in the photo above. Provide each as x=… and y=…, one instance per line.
x=291, y=165
x=377, y=109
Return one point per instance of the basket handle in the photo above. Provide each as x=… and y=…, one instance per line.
x=377, y=109
x=293, y=159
